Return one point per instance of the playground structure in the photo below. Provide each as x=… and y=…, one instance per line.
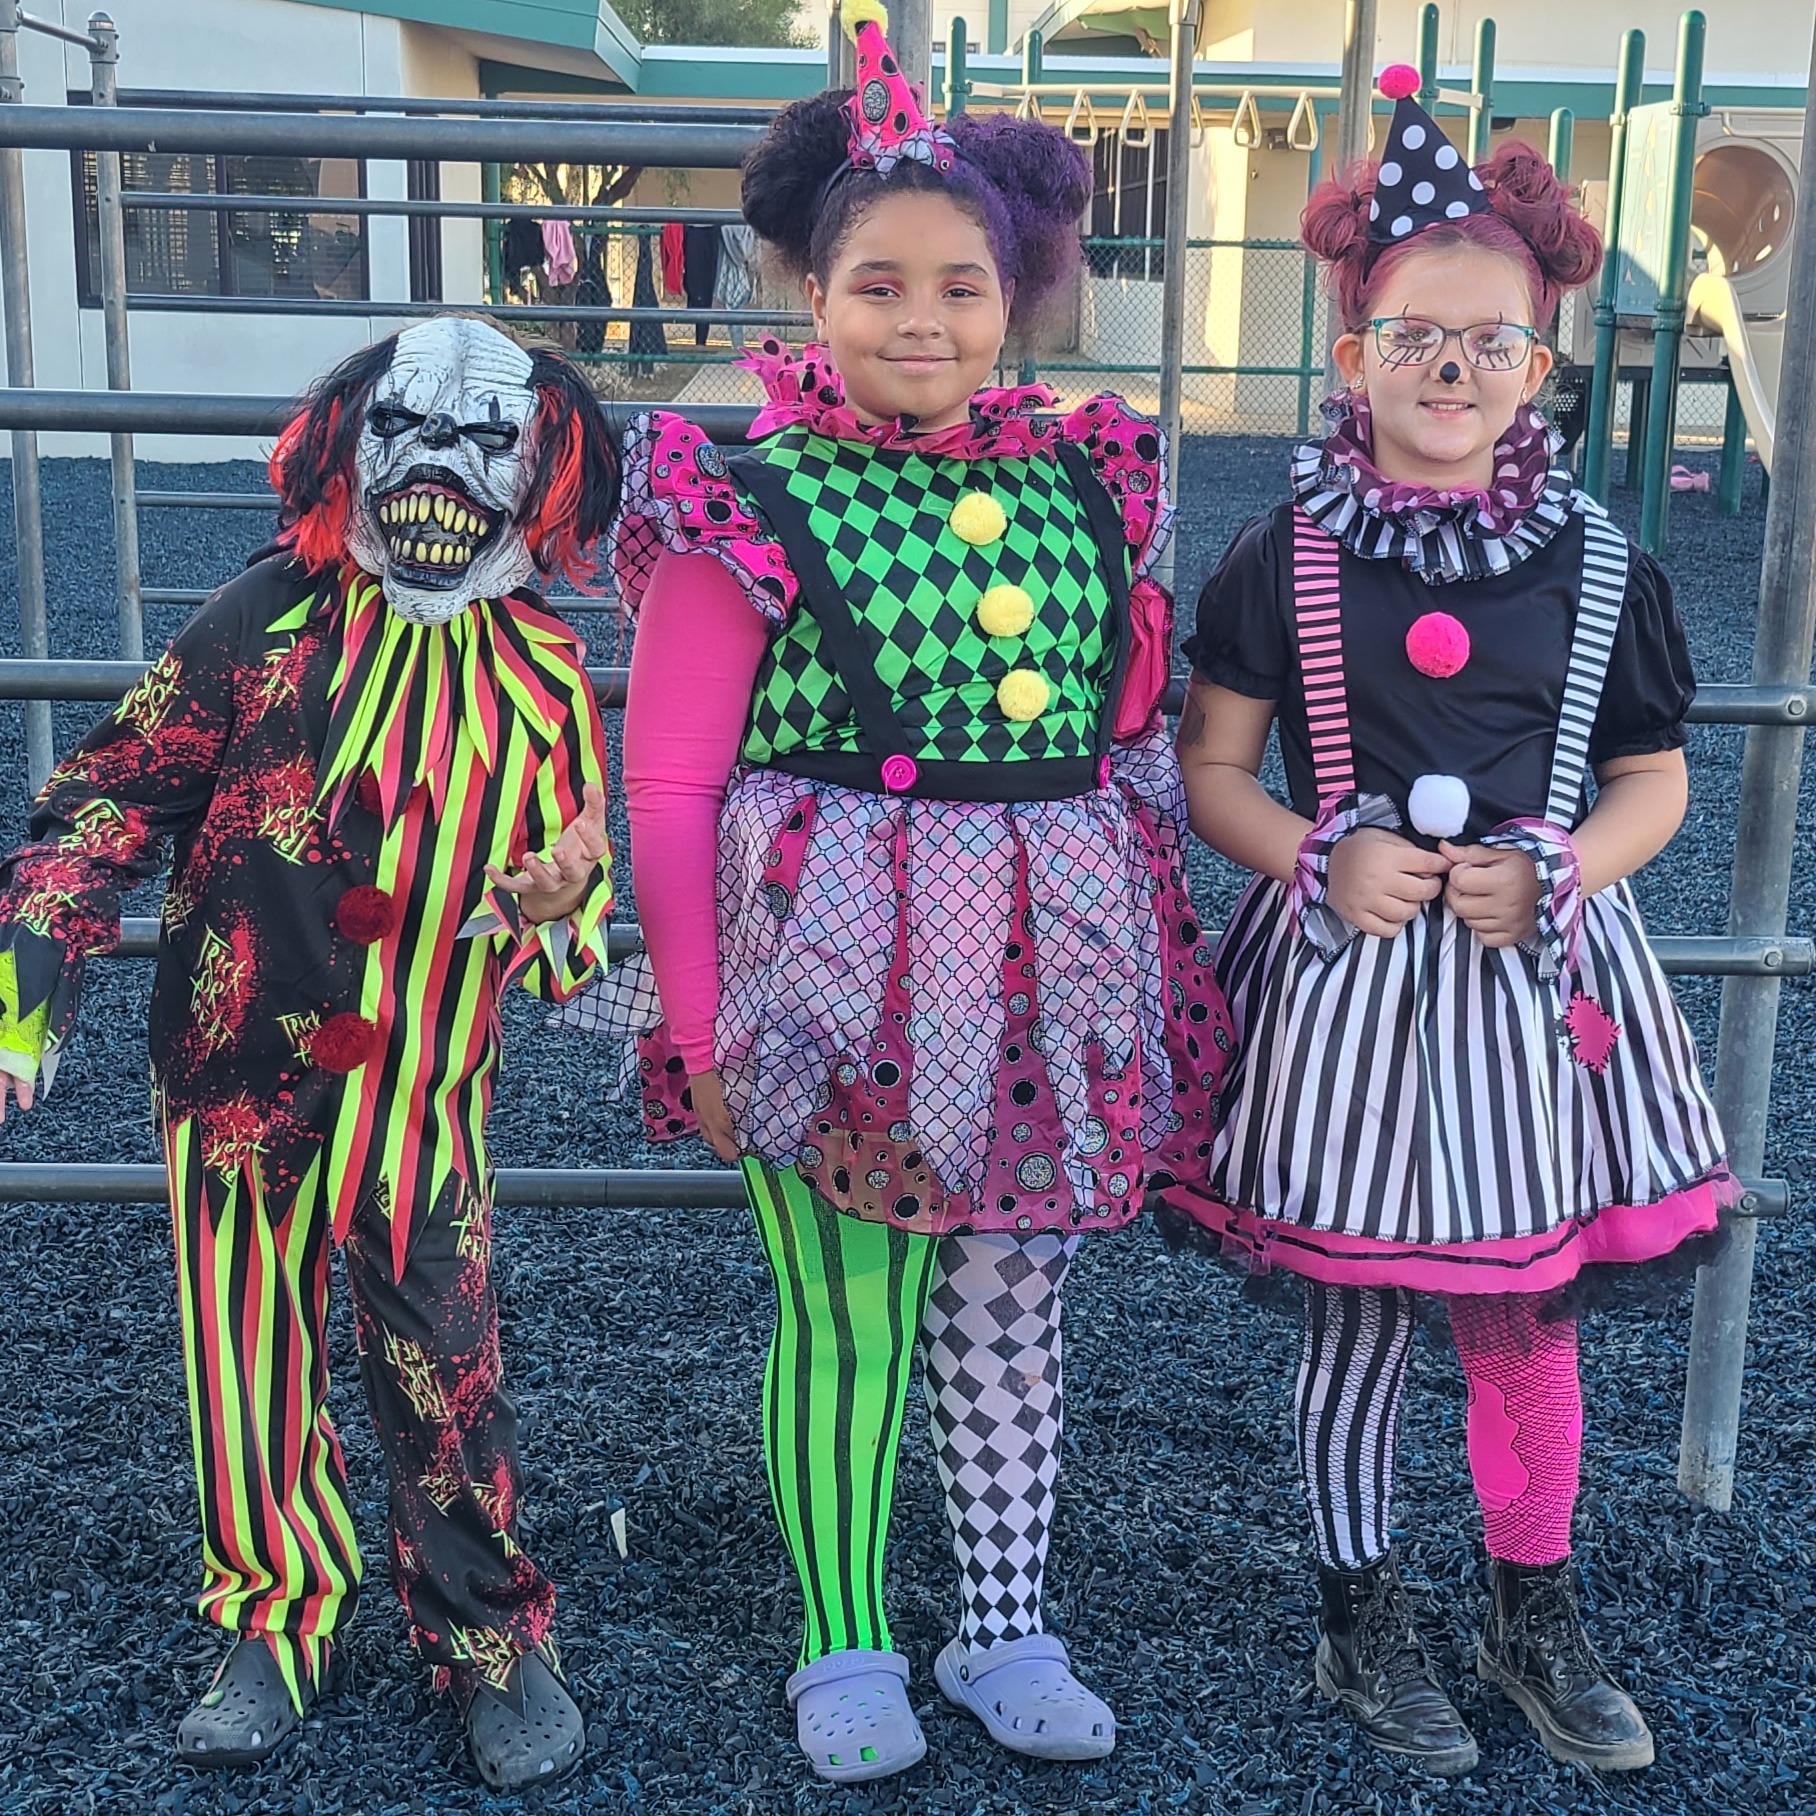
x=1775, y=704
x=1700, y=211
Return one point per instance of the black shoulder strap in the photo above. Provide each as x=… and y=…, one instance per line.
x=871, y=700
x=1112, y=556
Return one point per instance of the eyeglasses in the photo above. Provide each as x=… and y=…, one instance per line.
x=1411, y=340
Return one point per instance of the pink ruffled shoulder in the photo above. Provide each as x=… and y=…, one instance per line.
x=679, y=499
x=1129, y=454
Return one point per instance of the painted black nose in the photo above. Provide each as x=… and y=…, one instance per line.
x=1448, y=374
x=440, y=430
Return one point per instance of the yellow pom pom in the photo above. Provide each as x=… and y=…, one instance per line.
x=977, y=518
x=1022, y=694
x=859, y=12
x=1005, y=611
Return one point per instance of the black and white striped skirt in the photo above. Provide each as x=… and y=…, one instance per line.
x=1425, y=1111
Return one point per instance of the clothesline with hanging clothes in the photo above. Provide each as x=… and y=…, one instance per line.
x=708, y=265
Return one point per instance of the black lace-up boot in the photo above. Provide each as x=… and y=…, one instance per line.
x=1535, y=1649
x=1371, y=1660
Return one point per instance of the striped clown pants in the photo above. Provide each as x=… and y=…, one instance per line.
x=279, y=1557
x=852, y=1301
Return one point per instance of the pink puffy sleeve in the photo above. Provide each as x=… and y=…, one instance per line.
x=679, y=499
x=693, y=667
x=1129, y=454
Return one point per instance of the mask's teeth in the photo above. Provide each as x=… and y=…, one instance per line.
x=422, y=551
x=440, y=508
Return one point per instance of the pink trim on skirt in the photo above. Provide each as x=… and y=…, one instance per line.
x=1525, y=1264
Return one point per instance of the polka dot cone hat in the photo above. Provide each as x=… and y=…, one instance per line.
x=1423, y=179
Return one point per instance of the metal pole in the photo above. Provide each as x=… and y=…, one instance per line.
x=1308, y=294
x=28, y=503
x=1563, y=142
x=1481, y=110
x=1760, y=893
x=1033, y=58
x=1356, y=99
x=838, y=65
x=911, y=37
x=110, y=220
x=1428, y=55
x=957, y=84
x=1687, y=107
x=1732, y=483
x=1184, y=16
x=1598, y=449
x=996, y=39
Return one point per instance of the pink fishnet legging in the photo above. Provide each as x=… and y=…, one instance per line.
x=1525, y=1423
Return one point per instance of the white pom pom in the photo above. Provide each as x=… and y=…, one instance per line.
x=1439, y=806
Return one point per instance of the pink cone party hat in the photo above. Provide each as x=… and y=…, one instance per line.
x=887, y=124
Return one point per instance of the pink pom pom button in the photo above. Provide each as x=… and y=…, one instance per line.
x=1437, y=645
x=1398, y=80
x=900, y=774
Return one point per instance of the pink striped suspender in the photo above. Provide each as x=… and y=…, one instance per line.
x=1318, y=623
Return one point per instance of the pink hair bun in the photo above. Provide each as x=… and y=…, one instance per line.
x=1398, y=80
x=1437, y=645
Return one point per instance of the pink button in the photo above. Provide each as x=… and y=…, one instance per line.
x=900, y=774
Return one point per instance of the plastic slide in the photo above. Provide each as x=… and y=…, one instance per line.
x=1754, y=349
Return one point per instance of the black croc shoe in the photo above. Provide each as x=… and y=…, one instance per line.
x=1372, y=1663
x=246, y=1713
x=528, y=1733
x=1534, y=1648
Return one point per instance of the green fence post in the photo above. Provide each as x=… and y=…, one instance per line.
x=1428, y=55
x=1563, y=142
x=996, y=40
x=1598, y=450
x=490, y=188
x=1731, y=484
x=1308, y=290
x=1639, y=423
x=1481, y=110
x=1032, y=46
x=1687, y=107
x=957, y=84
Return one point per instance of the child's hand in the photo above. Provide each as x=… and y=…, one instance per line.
x=708, y=1092
x=1379, y=881
x=22, y=1088
x=1493, y=892
x=551, y=888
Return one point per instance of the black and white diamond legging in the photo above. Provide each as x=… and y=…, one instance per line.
x=992, y=1331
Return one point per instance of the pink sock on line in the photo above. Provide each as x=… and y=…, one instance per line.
x=1525, y=1423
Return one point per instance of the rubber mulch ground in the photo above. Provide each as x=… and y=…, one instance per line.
x=1180, y=1568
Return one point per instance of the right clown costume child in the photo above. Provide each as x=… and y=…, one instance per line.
x=1423, y=1106
x=905, y=822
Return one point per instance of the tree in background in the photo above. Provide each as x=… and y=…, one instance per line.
x=754, y=22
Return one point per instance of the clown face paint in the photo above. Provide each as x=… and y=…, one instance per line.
x=442, y=463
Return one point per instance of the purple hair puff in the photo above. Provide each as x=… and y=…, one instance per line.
x=886, y=122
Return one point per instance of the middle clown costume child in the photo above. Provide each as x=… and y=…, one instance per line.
x=906, y=824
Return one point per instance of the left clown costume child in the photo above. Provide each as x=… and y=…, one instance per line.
x=382, y=767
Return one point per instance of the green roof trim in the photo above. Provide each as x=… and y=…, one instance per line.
x=588, y=26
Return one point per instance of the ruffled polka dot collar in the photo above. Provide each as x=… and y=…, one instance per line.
x=804, y=390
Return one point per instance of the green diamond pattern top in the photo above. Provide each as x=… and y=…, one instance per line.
x=881, y=516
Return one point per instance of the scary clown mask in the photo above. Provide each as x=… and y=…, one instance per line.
x=451, y=465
